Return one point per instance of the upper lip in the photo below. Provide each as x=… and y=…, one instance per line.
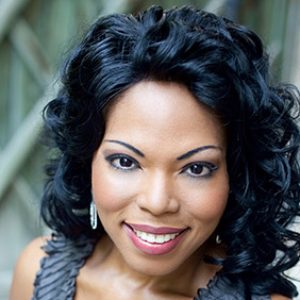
x=155, y=230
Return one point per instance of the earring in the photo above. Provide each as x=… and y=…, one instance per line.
x=93, y=215
x=218, y=240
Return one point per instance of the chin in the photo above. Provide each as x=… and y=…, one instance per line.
x=156, y=266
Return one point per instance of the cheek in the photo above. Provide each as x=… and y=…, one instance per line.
x=111, y=191
x=207, y=203
x=213, y=204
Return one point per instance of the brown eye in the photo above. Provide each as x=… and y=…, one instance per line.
x=196, y=169
x=199, y=169
x=122, y=162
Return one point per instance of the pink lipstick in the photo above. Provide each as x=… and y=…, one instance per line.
x=154, y=240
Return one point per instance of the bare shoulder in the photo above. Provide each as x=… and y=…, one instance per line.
x=25, y=270
x=279, y=297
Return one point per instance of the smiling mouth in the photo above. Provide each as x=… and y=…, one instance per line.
x=154, y=240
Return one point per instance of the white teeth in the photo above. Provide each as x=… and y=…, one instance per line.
x=155, y=238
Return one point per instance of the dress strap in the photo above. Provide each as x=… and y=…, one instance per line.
x=56, y=278
x=221, y=288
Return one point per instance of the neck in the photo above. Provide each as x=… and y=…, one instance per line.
x=184, y=280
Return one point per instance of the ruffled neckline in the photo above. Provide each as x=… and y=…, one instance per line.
x=59, y=270
x=221, y=288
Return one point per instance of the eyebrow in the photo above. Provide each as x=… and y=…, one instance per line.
x=196, y=150
x=181, y=157
x=130, y=147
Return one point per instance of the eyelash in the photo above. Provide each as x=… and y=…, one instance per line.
x=210, y=167
x=112, y=158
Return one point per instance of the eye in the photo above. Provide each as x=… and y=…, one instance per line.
x=122, y=162
x=199, y=169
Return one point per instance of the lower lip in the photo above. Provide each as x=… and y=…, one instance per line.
x=153, y=249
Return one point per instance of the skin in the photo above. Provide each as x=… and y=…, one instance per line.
x=164, y=122
x=156, y=187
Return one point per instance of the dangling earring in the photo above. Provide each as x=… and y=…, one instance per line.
x=93, y=215
x=218, y=240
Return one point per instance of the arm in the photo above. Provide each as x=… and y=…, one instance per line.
x=25, y=270
x=279, y=297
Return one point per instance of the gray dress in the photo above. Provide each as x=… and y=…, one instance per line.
x=56, y=279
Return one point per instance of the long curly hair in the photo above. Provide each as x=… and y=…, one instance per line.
x=224, y=66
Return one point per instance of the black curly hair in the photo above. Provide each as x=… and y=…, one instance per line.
x=224, y=66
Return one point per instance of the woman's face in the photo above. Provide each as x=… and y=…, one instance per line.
x=159, y=177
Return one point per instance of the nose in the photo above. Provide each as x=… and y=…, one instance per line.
x=157, y=196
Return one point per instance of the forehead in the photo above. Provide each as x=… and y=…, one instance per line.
x=163, y=111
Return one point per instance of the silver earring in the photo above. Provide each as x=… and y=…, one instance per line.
x=218, y=240
x=93, y=215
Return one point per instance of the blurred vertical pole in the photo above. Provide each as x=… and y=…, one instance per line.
x=291, y=44
x=9, y=10
x=231, y=9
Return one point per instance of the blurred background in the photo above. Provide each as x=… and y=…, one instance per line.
x=35, y=36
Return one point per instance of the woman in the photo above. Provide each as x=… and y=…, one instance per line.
x=168, y=127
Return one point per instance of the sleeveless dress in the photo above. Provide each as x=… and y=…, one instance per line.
x=56, y=279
